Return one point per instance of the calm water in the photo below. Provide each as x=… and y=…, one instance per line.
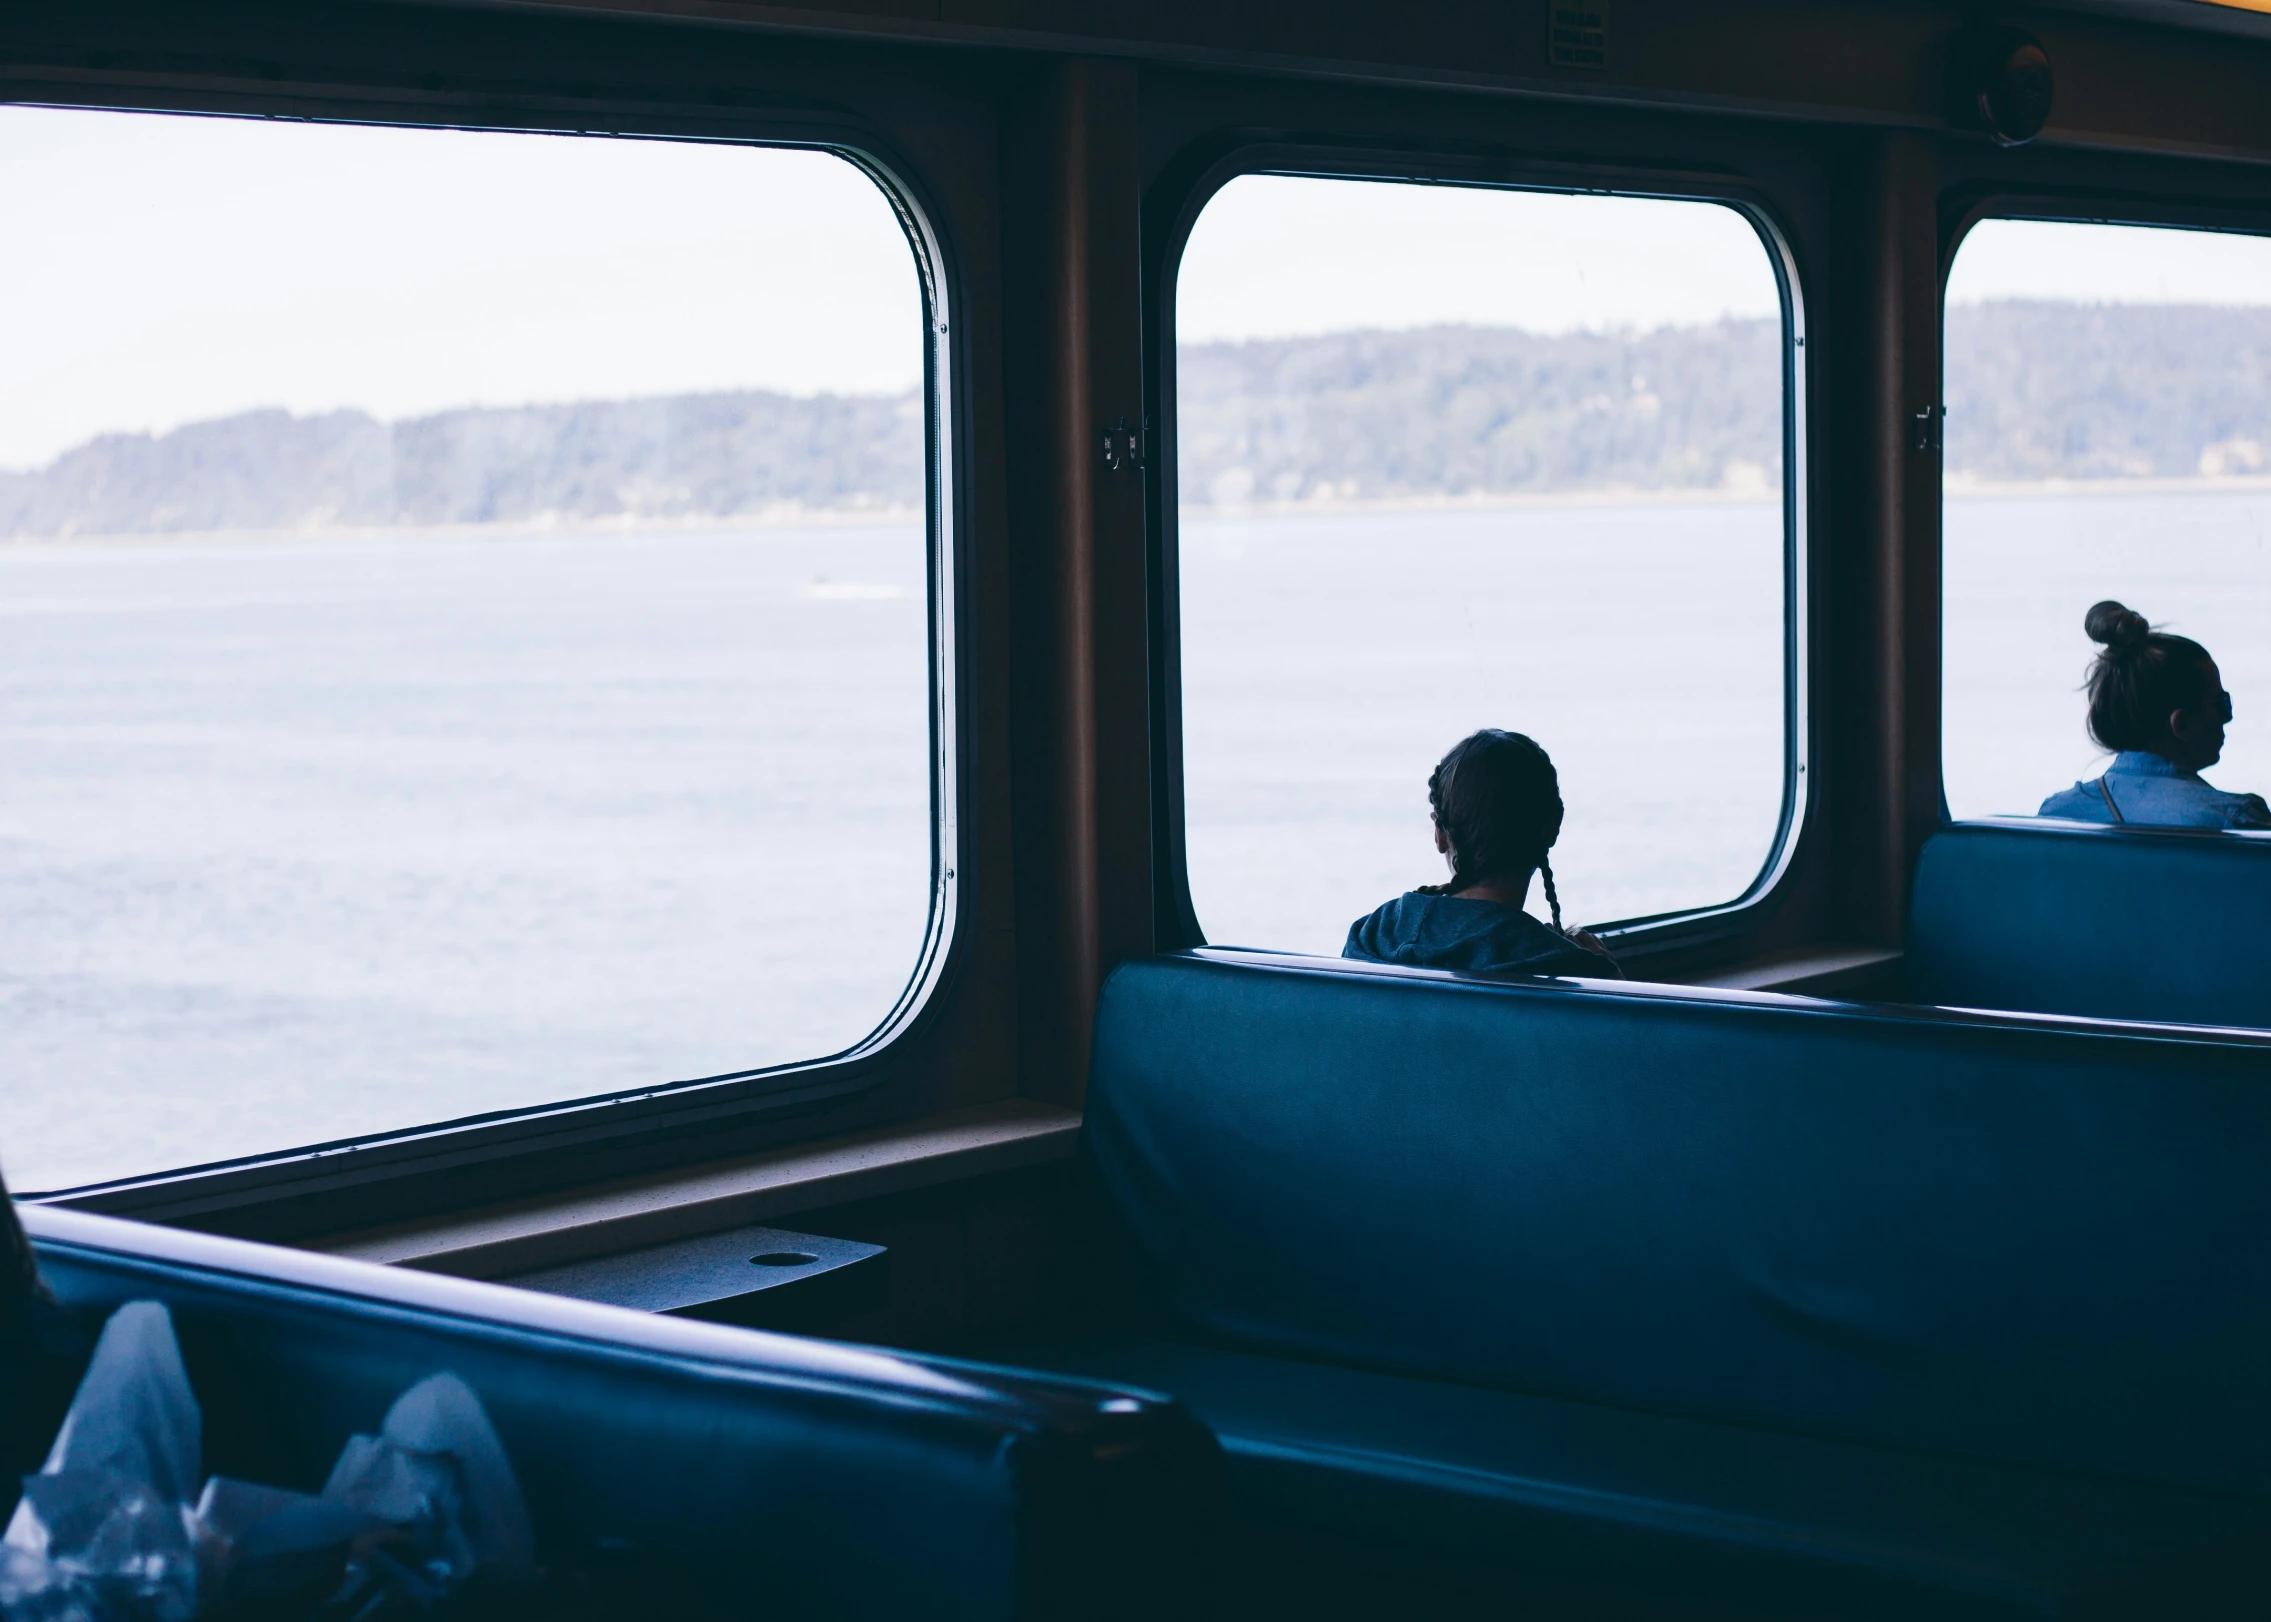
x=2021, y=571
x=301, y=840
x=305, y=840
x=1328, y=663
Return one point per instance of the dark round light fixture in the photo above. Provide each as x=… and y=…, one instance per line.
x=2005, y=85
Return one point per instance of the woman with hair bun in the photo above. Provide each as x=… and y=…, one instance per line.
x=1497, y=805
x=2159, y=703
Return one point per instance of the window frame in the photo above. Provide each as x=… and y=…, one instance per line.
x=1966, y=206
x=1178, y=923
x=207, y=1194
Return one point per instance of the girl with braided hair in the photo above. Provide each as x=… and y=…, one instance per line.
x=2159, y=703
x=1497, y=805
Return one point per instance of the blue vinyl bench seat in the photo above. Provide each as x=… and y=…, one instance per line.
x=783, y=1478
x=1698, y=1298
x=2109, y=922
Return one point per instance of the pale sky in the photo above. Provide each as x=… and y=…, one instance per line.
x=1276, y=256
x=162, y=270
x=2109, y=264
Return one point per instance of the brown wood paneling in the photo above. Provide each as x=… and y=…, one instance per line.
x=1886, y=594
x=2124, y=79
x=1082, y=706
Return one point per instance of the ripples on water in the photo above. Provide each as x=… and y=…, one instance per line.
x=304, y=840
x=1328, y=663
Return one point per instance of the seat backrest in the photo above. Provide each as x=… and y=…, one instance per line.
x=2071, y=918
x=783, y=1477
x=1995, y=1236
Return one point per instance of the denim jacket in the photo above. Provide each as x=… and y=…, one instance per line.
x=2152, y=792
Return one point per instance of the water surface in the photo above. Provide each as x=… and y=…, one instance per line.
x=310, y=838
x=300, y=840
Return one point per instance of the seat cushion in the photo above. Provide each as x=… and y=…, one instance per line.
x=2004, y=1238
x=1639, y=1508
x=2115, y=923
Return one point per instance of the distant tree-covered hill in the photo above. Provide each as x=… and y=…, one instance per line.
x=1479, y=410
x=2066, y=391
x=701, y=455
x=2034, y=391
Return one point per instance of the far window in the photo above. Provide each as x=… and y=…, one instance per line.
x=2108, y=436
x=1456, y=458
x=468, y=627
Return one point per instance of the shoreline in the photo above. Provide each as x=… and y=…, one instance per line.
x=552, y=527
x=1964, y=489
x=1496, y=501
x=524, y=529
x=1956, y=489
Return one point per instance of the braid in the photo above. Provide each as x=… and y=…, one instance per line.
x=1545, y=871
x=1453, y=885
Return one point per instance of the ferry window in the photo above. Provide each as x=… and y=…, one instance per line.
x=468, y=626
x=2108, y=436
x=1452, y=458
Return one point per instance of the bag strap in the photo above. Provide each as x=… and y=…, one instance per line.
x=2106, y=795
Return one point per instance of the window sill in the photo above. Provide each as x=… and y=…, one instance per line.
x=525, y=1235
x=1817, y=971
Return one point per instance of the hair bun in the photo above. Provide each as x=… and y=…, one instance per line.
x=2115, y=625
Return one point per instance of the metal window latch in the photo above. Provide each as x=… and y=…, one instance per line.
x=1924, y=429
x=1123, y=445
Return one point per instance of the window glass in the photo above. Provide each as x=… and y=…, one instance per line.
x=467, y=626
x=1457, y=458
x=2108, y=435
